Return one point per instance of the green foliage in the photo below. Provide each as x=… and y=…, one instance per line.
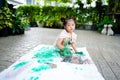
x=64, y=1
x=3, y=3
x=18, y=28
x=24, y=22
x=5, y=18
x=86, y=15
x=89, y=1
x=51, y=15
x=29, y=11
x=118, y=6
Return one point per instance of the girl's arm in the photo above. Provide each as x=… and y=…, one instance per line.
x=74, y=44
x=74, y=47
x=59, y=43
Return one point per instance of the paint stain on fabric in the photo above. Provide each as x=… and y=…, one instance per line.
x=20, y=65
x=81, y=53
x=44, y=60
x=34, y=78
x=80, y=69
x=42, y=67
x=76, y=68
x=47, y=52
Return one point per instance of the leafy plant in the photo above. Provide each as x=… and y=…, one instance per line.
x=17, y=27
x=5, y=18
x=30, y=12
x=51, y=15
x=24, y=22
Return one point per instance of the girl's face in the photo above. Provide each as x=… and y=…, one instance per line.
x=70, y=26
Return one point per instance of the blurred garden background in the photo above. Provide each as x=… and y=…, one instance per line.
x=16, y=16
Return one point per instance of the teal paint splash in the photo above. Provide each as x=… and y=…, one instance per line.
x=81, y=68
x=41, y=67
x=46, y=52
x=34, y=78
x=20, y=65
x=77, y=68
x=81, y=53
x=45, y=60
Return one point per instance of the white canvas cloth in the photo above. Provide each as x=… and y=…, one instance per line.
x=63, y=70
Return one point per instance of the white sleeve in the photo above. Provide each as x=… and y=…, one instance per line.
x=63, y=34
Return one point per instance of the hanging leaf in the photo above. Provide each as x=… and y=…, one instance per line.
x=89, y=1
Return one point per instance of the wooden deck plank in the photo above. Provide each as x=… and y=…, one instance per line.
x=111, y=56
x=111, y=64
x=102, y=49
x=115, y=62
x=104, y=66
x=93, y=55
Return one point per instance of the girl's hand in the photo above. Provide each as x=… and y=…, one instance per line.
x=65, y=52
x=81, y=53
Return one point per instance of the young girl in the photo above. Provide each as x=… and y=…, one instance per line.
x=66, y=42
x=46, y=57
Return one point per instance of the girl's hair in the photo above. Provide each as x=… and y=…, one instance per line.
x=64, y=20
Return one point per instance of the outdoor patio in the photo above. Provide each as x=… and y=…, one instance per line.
x=103, y=49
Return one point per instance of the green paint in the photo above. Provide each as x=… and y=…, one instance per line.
x=80, y=61
x=76, y=68
x=65, y=52
x=47, y=52
x=31, y=78
x=81, y=53
x=41, y=67
x=67, y=42
x=20, y=65
x=81, y=69
x=37, y=78
x=34, y=78
x=45, y=60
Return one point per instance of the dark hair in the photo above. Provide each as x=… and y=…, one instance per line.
x=64, y=20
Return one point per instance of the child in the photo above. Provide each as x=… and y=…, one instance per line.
x=44, y=57
x=66, y=43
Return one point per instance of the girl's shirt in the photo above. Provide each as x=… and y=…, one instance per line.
x=68, y=39
x=64, y=34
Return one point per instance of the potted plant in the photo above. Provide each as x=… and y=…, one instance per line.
x=106, y=21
